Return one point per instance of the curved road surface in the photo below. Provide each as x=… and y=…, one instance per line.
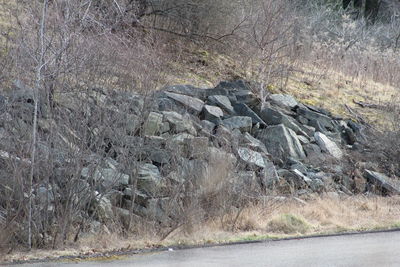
x=375, y=249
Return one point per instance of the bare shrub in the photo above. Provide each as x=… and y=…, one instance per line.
x=269, y=41
x=62, y=95
x=332, y=39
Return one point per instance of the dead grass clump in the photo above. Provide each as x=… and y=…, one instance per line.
x=249, y=220
x=289, y=224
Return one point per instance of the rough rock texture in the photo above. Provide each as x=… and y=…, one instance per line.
x=328, y=145
x=282, y=142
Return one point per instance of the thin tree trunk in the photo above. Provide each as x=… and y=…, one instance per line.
x=35, y=116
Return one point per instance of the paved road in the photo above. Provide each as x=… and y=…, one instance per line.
x=377, y=249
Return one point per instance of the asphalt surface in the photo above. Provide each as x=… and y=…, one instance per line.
x=367, y=250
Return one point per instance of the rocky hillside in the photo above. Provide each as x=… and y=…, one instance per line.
x=107, y=155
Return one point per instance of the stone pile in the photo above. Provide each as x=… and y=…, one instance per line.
x=192, y=134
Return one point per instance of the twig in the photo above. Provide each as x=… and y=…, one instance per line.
x=367, y=105
x=357, y=116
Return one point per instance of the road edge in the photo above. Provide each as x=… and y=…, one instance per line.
x=185, y=247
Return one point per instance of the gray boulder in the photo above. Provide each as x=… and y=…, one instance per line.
x=243, y=110
x=224, y=137
x=186, y=90
x=316, y=185
x=221, y=101
x=286, y=101
x=196, y=147
x=269, y=175
x=303, y=140
x=103, y=208
x=218, y=155
x=328, y=145
x=149, y=180
x=207, y=126
x=228, y=88
x=246, y=97
x=179, y=123
x=281, y=142
x=106, y=177
x=250, y=157
x=273, y=116
x=253, y=143
x=381, y=181
x=178, y=139
x=309, y=130
x=152, y=124
x=320, y=121
x=242, y=123
x=192, y=103
x=212, y=113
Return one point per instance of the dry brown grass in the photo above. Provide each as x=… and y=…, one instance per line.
x=5, y=16
x=312, y=83
x=331, y=214
x=333, y=90
x=276, y=218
